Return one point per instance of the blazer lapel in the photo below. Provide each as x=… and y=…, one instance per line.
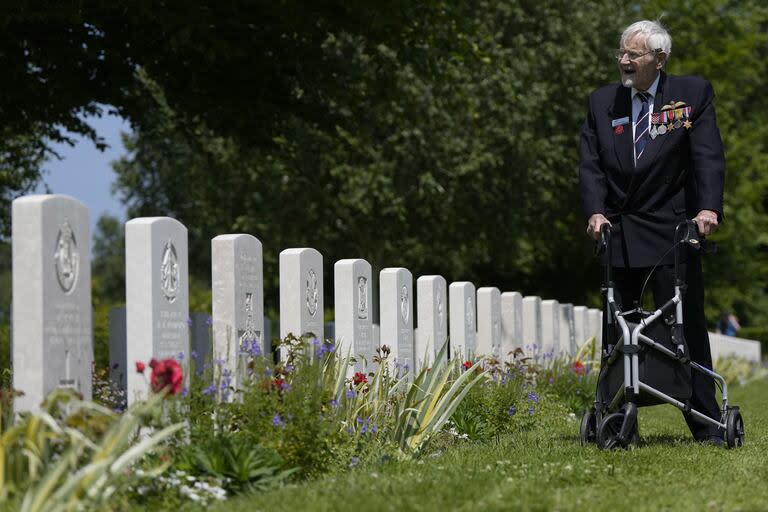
x=622, y=140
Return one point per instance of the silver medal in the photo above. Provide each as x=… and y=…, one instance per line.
x=654, y=133
x=678, y=123
x=662, y=129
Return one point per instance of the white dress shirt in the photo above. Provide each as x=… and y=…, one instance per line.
x=637, y=104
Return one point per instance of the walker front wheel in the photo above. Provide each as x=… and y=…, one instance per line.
x=588, y=430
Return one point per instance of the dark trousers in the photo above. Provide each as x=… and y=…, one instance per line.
x=628, y=284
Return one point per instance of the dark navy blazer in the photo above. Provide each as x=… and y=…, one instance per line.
x=678, y=174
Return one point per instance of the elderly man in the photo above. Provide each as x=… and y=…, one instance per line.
x=651, y=156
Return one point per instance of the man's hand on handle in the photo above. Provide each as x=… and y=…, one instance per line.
x=706, y=221
x=595, y=222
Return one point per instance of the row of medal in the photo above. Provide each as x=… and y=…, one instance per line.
x=671, y=117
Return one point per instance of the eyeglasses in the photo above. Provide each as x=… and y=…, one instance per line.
x=634, y=56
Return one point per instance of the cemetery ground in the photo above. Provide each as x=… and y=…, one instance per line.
x=305, y=434
x=545, y=468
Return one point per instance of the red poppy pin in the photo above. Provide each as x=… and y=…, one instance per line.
x=619, y=129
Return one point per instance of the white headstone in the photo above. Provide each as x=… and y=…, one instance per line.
x=396, y=316
x=51, y=310
x=353, y=298
x=462, y=324
x=489, y=322
x=301, y=293
x=237, y=283
x=567, y=338
x=550, y=327
x=511, y=323
x=532, y=325
x=595, y=317
x=156, y=295
x=432, y=314
x=580, y=325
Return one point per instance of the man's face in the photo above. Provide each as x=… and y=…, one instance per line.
x=640, y=72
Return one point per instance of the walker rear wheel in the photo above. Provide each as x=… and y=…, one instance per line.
x=734, y=429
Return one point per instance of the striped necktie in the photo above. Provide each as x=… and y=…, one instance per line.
x=641, y=126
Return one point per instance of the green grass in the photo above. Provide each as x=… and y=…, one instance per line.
x=545, y=468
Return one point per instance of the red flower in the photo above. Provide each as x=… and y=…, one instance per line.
x=467, y=365
x=140, y=367
x=278, y=384
x=167, y=376
x=579, y=368
x=359, y=378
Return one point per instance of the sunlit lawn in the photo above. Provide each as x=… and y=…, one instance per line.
x=547, y=469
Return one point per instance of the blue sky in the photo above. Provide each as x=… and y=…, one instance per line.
x=85, y=173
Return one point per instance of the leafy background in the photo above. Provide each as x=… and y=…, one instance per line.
x=440, y=136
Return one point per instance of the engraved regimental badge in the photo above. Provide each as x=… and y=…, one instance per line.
x=405, y=309
x=362, y=297
x=66, y=258
x=313, y=293
x=169, y=272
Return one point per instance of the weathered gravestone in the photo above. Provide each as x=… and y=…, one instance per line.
x=301, y=293
x=511, y=323
x=567, y=338
x=432, y=315
x=489, y=322
x=353, y=298
x=118, y=345
x=532, y=325
x=396, y=317
x=462, y=307
x=51, y=311
x=237, y=277
x=550, y=328
x=156, y=295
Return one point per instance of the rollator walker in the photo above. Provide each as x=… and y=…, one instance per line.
x=647, y=363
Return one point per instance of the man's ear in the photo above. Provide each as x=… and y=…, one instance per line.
x=661, y=59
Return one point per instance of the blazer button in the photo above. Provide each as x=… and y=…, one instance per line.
x=667, y=179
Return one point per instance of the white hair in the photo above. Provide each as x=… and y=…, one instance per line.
x=657, y=37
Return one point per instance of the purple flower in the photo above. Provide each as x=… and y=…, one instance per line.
x=533, y=397
x=351, y=393
x=189, y=322
x=255, y=348
x=210, y=389
x=209, y=321
x=374, y=429
x=531, y=411
x=180, y=357
x=350, y=430
x=354, y=461
x=512, y=410
x=277, y=421
x=184, y=391
x=334, y=403
x=289, y=368
x=194, y=355
x=268, y=372
x=551, y=380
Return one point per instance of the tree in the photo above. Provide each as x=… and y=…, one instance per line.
x=451, y=150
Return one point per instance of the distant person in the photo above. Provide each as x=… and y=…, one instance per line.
x=652, y=157
x=728, y=324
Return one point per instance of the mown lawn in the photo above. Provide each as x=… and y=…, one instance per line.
x=546, y=469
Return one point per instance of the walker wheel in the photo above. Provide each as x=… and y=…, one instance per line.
x=588, y=430
x=608, y=433
x=734, y=428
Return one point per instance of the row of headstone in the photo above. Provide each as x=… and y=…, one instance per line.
x=52, y=335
